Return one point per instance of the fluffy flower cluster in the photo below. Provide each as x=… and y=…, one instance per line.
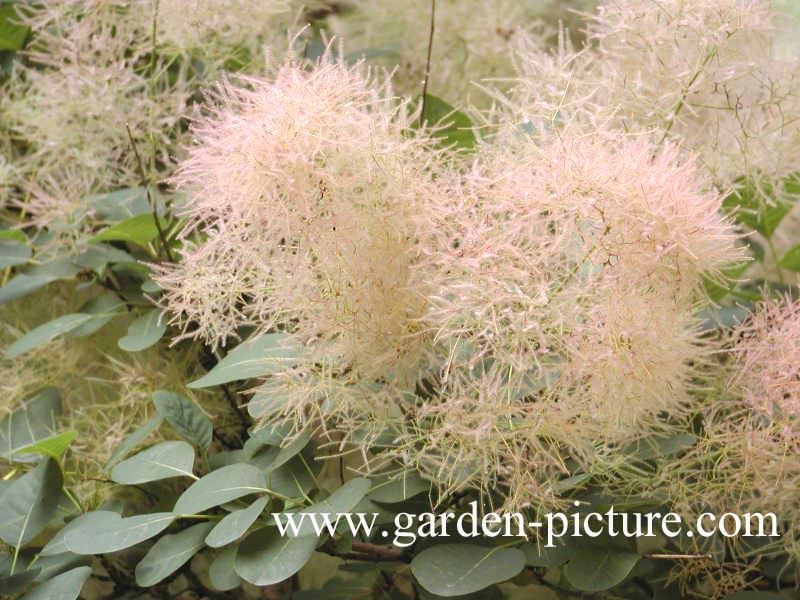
x=709, y=74
x=239, y=30
x=91, y=79
x=473, y=40
x=305, y=189
x=497, y=317
x=768, y=364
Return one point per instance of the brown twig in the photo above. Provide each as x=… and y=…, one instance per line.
x=428, y=63
x=150, y=201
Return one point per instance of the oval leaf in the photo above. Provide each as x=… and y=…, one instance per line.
x=220, y=486
x=264, y=355
x=46, y=332
x=459, y=569
x=234, y=525
x=29, y=503
x=134, y=439
x=170, y=553
x=265, y=557
x=35, y=420
x=53, y=446
x=12, y=253
x=143, y=332
x=101, y=532
x=162, y=461
x=343, y=500
x=66, y=586
x=140, y=229
x=185, y=417
x=221, y=572
x=597, y=569
x=791, y=260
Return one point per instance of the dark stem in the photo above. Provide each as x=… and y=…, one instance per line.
x=428, y=63
x=150, y=201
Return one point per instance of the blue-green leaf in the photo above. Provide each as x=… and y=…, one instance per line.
x=143, y=332
x=12, y=253
x=101, y=532
x=170, y=553
x=162, y=461
x=66, y=586
x=458, y=569
x=29, y=503
x=185, y=417
x=235, y=524
x=265, y=355
x=220, y=486
x=32, y=422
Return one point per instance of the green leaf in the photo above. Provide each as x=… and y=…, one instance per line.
x=53, y=446
x=726, y=317
x=220, y=486
x=265, y=557
x=162, y=461
x=103, y=308
x=35, y=420
x=265, y=355
x=267, y=400
x=594, y=569
x=399, y=488
x=755, y=205
x=234, y=525
x=101, y=532
x=12, y=253
x=278, y=456
x=791, y=260
x=66, y=586
x=221, y=572
x=453, y=127
x=343, y=500
x=459, y=569
x=29, y=503
x=185, y=417
x=656, y=446
x=98, y=256
x=718, y=290
x=120, y=204
x=143, y=332
x=46, y=333
x=12, y=33
x=13, y=234
x=134, y=439
x=170, y=553
x=140, y=229
x=23, y=284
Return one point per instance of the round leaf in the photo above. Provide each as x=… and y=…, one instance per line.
x=29, y=503
x=162, y=461
x=100, y=532
x=220, y=486
x=66, y=586
x=234, y=525
x=221, y=572
x=185, y=417
x=170, y=553
x=265, y=557
x=459, y=569
x=264, y=355
x=143, y=332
